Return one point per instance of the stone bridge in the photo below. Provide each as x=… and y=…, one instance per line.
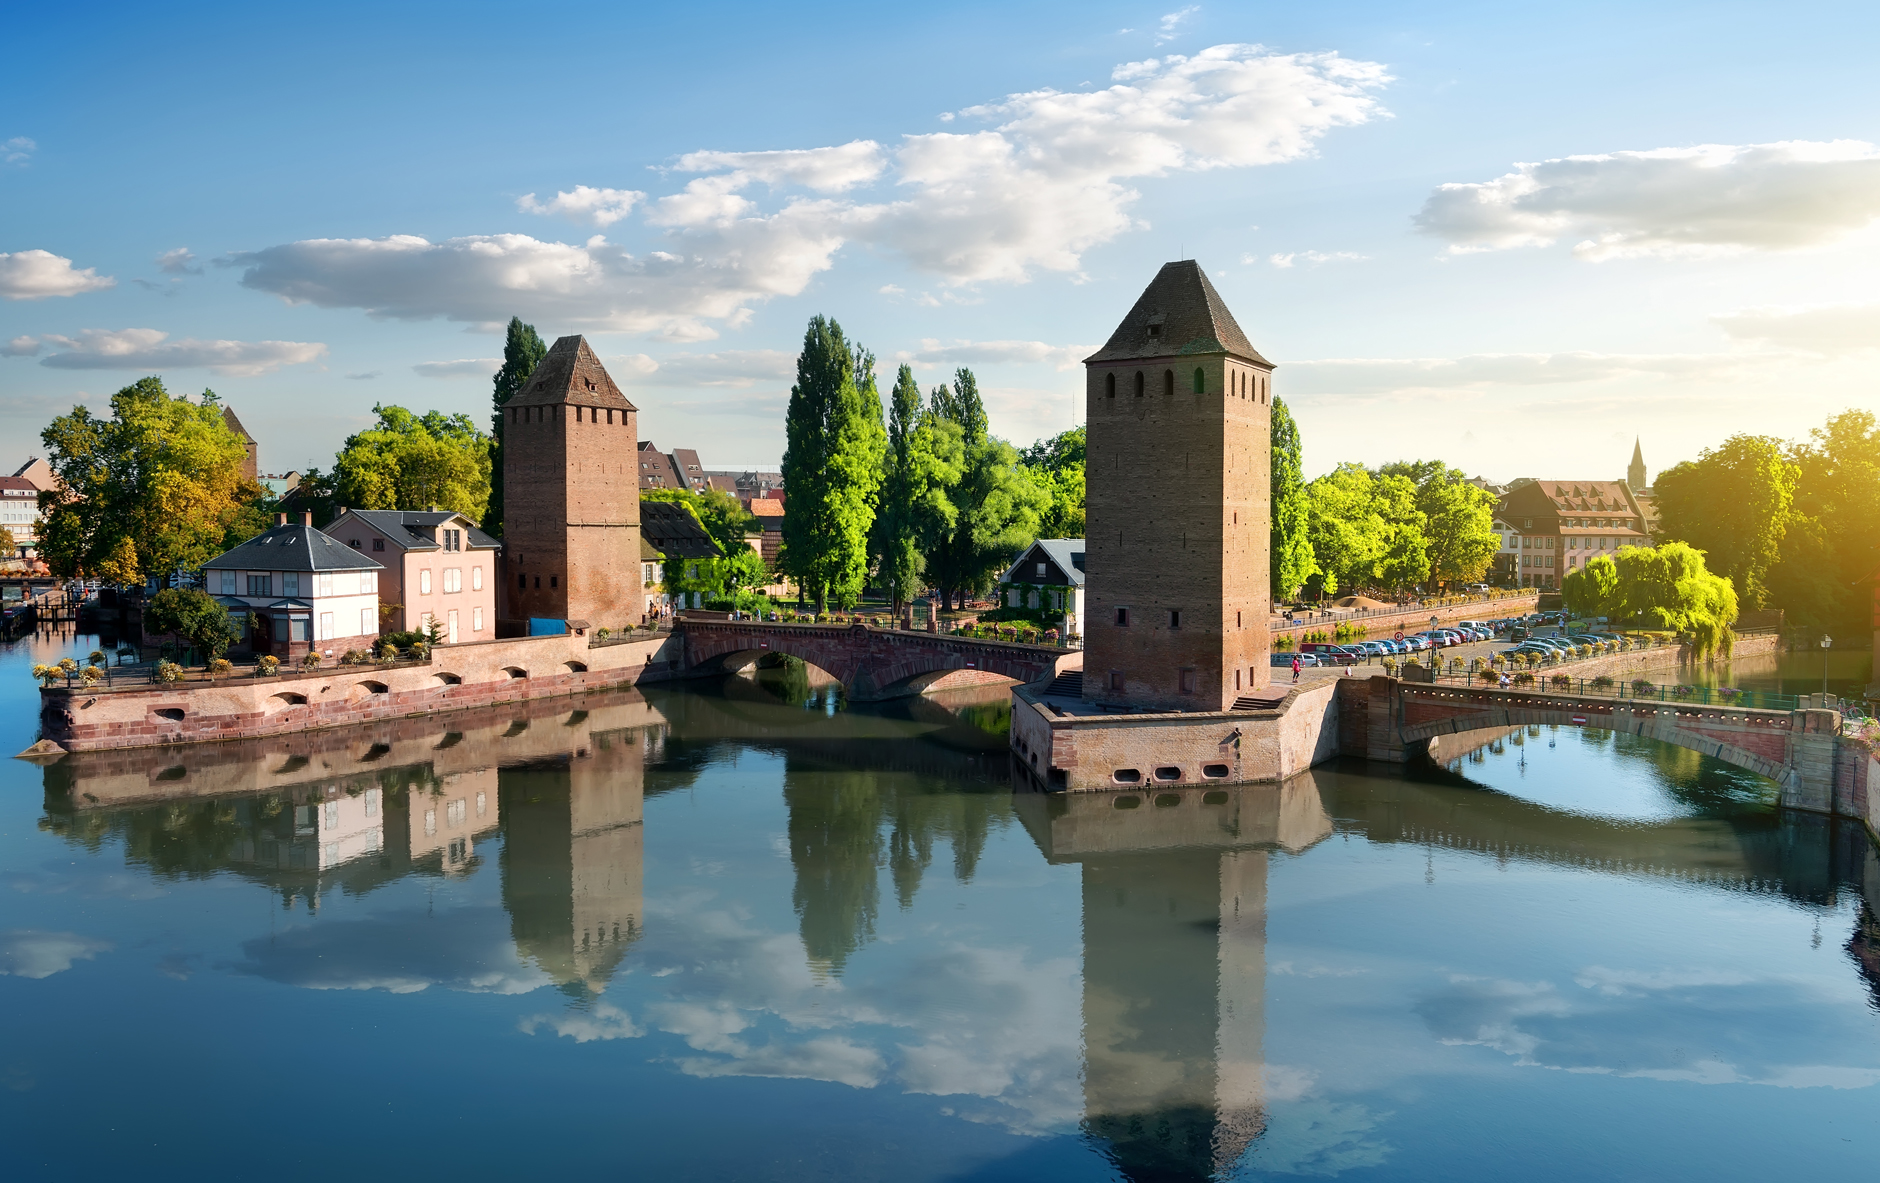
x=871, y=663
x=1802, y=751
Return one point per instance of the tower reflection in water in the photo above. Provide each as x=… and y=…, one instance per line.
x=352, y=810
x=1174, y=913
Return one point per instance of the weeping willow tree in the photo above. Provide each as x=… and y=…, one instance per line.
x=1669, y=586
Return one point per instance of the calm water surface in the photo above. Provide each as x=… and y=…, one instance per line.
x=740, y=931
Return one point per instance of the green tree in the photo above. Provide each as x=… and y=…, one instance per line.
x=1670, y=586
x=1290, y=557
x=409, y=461
x=1593, y=589
x=996, y=506
x=833, y=451
x=1833, y=541
x=1406, y=557
x=1460, y=519
x=195, y=616
x=913, y=492
x=149, y=491
x=1056, y=467
x=1348, y=535
x=1733, y=503
x=523, y=350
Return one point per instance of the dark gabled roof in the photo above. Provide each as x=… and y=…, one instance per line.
x=1190, y=318
x=411, y=529
x=292, y=548
x=571, y=374
x=1066, y=554
x=672, y=528
x=235, y=425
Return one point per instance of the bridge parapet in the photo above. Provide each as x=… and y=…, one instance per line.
x=1801, y=750
x=872, y=663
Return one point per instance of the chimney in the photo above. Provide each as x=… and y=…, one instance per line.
x=280, y=519
x=339, y=511
x=306, y=518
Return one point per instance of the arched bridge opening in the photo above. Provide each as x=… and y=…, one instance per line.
x=872, y=664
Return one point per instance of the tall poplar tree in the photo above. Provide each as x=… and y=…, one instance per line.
x=996, y=507
x=832, y=462
x=523, y=350
x=1291, y=555
x=904, y=488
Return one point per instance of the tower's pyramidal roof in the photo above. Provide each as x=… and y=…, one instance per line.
x=1638, y=454
x=1186, y=315
x=571, y=374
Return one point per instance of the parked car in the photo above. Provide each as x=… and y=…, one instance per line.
x=1416, y=644
x=1331, y=654
x=1284, y=660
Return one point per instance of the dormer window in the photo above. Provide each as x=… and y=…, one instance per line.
x=1155, y=332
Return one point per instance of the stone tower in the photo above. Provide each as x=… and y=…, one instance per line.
x=571, y=494
x=1635, y=471
x=1177, y=503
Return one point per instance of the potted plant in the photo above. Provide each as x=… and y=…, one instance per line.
x=267, y=665
x=311, y=661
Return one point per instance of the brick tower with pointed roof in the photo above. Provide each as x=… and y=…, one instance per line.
x=1177, y=504
x=571, y=494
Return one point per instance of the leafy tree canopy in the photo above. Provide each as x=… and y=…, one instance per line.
x=832, y=464
x=409, y=461
x=523, y=350
x=194, y=615
x=1290, y=556
x=1734, y=504
x=153, y=489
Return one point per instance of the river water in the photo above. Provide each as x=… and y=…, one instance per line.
x=740, y=930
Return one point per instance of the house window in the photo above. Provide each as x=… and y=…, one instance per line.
x=290, y=583
x=453, y=579
x=261, y=585
x=453, y=540
x=691, y=570
x=1122, y=618
x=1186, y=680
x=323, y=583
x=1155, y=332
x=476, y=620
x=378, y=544
x=1041, y=570
x=424, y=581
x=367, y=625
x=476, y=578
x=326, y=626
x=354, y=543
x=228, y=583
x=368, y=582
x=646, y=572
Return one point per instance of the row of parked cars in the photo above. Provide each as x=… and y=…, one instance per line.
x=1560, y=643
x=1353, y=652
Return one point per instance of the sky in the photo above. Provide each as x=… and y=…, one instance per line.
x=1511, y=237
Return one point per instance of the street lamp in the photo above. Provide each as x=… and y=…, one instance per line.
x=1435, y=662
x=1826, y=641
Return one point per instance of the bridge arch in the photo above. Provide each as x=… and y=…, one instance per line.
x=870, y=663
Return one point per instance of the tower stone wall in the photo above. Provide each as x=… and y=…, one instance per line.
x=1177, y=504
x=571, y=494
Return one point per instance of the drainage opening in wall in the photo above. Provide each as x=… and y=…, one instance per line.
x=1214, y=770
x=1169, y=772
x=1128, y=802
x=1127, y=776
x=173, y=714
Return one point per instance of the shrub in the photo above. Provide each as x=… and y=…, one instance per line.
x=311, y=661
x=388, y=652
x=420, y=649
x=268, y=665
x=355, y=657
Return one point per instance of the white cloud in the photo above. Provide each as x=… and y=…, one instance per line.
x=1824, y=329
x=462, y=949
x=30, y=953
x=178, y=262
x=603, y=1021
x=733, y=367
x=150, y=349
x=933, y=352
x=825, y=170
x=1170, y=21
x=596, y=207
x=363, y=376
x=1374, y=376
x=463, y=367
x=1312, y=257
x=17, y=150
x=1032, y=192
x=1670, y=202
x=34, y=275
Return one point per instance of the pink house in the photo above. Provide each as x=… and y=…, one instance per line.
x=438, y=566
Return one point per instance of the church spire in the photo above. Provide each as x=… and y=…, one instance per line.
x=1635, y=472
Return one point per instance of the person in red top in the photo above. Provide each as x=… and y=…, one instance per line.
x=1295, y=667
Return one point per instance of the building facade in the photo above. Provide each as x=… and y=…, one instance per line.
x=305, y=589
x=571, y=494
x=1177, y=567
x=1049, y=577
x=438, y=567
x=1561, y=525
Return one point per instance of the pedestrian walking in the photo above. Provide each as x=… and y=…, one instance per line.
x=1295, y=664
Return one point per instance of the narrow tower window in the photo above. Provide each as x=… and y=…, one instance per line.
x=1109, y=385
x=1175, y=618
x=1138, y=383
x=1201, y=382
x=1168, y=383
x=1122, y=618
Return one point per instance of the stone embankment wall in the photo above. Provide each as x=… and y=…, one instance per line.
x=1623, y=667
x=1082, y=753
x=457, y=676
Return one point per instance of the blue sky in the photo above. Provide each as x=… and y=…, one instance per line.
x=1507, y=236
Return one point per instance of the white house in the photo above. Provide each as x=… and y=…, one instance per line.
x=1049, y=576
x=308, y=590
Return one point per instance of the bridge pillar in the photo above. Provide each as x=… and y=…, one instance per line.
x=1813, y=742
